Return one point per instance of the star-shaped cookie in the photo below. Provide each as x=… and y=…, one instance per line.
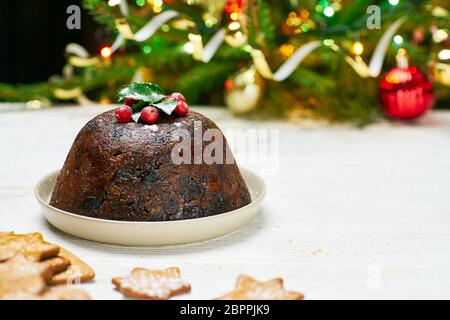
x=248, y=288
x=152, y=284
x=77, y=270
x=31, y=245
x=19, y=275
x=53, y=293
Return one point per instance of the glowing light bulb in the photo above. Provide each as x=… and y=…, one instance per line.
x=234, y=16
x=393, y=2
x=440, y=35
x=106, y=52
x=165, y=27
x=188, y=47
x=358, y=48
x=398, y=39
x=328, y=11
x=147, y=49
x=113, y=3
x=444, y=54
x=234, y=26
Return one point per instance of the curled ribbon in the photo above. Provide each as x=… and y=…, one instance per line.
x=67, y=94
x=145, y=32
x=200, y=52
x=206, y=53
x=78, y=57
x=361, y=68
x=286, y=68
x=376, y=62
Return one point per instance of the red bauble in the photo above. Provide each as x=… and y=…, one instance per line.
x=406, y=93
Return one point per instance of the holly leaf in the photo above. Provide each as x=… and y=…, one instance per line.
x=148, y=92
x=166, y=105
x=136, y=116
x=137, y=107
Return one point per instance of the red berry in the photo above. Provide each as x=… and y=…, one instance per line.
x=130, y=101
x=182, y=109
x=177, y=96
x=123, y=114
x=149, y=115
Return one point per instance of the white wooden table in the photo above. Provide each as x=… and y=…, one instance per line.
x=350, y=213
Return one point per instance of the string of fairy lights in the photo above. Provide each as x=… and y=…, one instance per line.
x=231, y=16
x=235, y=35
x=295, y=23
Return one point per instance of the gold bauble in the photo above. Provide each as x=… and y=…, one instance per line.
x=143, y=74
x=243, y=91
x=441, y=73
x=440, y=67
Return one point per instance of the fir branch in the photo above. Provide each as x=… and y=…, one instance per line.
x=101, y=12
x=312, y=80
x=266, y=25
x=261, y=29
x=204, y=79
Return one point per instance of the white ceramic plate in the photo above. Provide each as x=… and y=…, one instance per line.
x=137, y=233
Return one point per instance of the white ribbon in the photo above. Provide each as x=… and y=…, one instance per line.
x=148, y=30
x=77, y=50
x=286, y=69
x=293, y=62
x=123, y=5
x=376, y=62
x=213, y=45
x=153, y=25
x=206, y=53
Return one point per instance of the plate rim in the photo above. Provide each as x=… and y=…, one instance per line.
x=171, y=222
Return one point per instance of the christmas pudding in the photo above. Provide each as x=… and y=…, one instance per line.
x=141, y=162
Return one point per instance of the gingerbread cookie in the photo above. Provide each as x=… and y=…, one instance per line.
x=152, y=284
x=57, y=265
x=31, y=245
x=55, y=293
x=19, y=275
x=248, y=288
x=35, y=248
x=6, y=253
x=65, y=293
x=78, y=271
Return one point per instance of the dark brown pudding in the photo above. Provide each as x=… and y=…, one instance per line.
x=125, y=172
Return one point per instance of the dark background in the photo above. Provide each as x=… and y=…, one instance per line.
x=33, y=35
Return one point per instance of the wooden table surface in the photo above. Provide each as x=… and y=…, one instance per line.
x=349, y=213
